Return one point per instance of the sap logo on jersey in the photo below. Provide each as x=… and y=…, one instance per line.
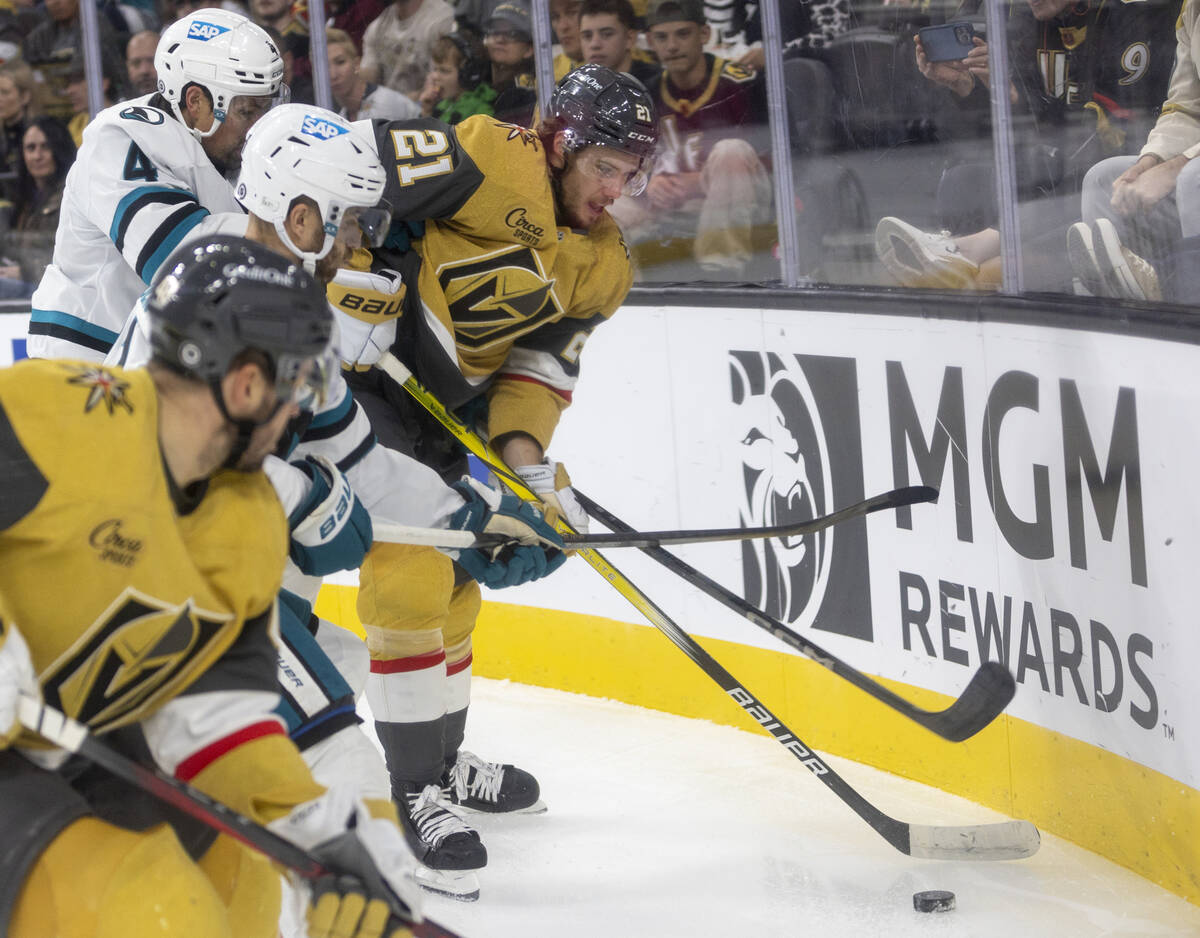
x=324, y=129
x=205, y=31
x=794, y=470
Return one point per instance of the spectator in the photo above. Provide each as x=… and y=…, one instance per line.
x=355, y=98
x=77, y=95
x=173, y=10
x=808, y=27
x=17, y=20
x=274, y=13
x=454, y=88
x=1148, y=201
x=17, y=107
x=608, y=35
x=471, y=14
x=396, y=46
x=47, y=153
x=300, y=88
x=564, y=20
x=49, y=49
x=1088, y=79
x=508, y=39
x=139, y=63
x=709, y=186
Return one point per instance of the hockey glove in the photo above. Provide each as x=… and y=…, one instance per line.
x=17, y=677
x=331, y=529
x=537, y=549
x=550, y=481
x=369, y=892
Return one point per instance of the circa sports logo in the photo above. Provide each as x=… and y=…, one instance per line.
x=797, y=426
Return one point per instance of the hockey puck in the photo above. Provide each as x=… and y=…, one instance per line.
x=933, y=900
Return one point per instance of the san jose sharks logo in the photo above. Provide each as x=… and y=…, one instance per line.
x=103, y=386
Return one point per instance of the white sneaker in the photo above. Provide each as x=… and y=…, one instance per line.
x=1134, y=277
x=1081, y=252
x=920, y=259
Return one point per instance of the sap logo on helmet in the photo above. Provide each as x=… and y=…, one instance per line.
x=205, y=31
x=319, y=127
x=266, y=274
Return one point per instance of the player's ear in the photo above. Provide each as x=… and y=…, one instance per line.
x=705, y=34
x=196, y=104
x=246, y=387
x=558, y=153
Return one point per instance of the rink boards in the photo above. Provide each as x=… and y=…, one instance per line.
x=1064, y=543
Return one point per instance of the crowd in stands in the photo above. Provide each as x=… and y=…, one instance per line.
x=1105, y=191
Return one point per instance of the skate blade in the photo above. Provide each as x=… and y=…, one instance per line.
x=538, y=807
x=454, y=884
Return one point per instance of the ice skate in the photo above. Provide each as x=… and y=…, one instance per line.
x=448, y=850
x=491, y=788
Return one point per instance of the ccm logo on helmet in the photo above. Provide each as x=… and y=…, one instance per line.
x=205, y=31
x=326, y=130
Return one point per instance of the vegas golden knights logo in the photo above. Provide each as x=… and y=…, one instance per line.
x=136, y=649
x=498, y=297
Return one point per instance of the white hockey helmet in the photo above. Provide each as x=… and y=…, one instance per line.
x=224, y=53
x=304, y=150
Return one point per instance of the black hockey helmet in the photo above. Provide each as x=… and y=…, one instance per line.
x=218, y=297
x=600, y=107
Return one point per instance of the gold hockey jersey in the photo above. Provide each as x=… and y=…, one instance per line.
x=499, y=282
x=123, y=600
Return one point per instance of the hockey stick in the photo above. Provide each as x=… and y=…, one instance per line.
x=1008, y=840
x=73, y=736
x=984, y=698
x=628, y=537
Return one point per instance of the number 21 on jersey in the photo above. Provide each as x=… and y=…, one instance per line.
x=421, y=154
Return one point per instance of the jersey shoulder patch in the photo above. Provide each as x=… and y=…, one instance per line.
x=737, y=73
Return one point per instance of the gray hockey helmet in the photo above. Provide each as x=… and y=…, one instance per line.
x=218, y=297
x=601, y=107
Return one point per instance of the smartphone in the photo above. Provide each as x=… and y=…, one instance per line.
x=948, y=42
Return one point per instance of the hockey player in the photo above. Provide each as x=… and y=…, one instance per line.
x=150, y=174
x=163, y=643
x=515, y=263
x=306, y=174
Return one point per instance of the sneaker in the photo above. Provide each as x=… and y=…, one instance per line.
x=490, y=787
x=919, y=259
x=1081, y=252
x=1134, y=277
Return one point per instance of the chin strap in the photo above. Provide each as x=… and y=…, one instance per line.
x=308, y=259
x=245, y=428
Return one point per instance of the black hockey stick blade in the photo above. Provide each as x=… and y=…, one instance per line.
x=897, y=498
x=986, y=695
x=69, y=734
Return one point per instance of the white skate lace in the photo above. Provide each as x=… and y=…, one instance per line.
x=485, y=785
x=433, y=820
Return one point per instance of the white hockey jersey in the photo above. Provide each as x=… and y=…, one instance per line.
x=392, y=486
x=140, y=186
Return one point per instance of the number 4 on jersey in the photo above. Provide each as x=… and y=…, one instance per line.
x=138, y=165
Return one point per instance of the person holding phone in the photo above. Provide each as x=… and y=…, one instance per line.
x=1088, y=78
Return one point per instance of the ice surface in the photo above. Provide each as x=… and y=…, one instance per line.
x=663, y=826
